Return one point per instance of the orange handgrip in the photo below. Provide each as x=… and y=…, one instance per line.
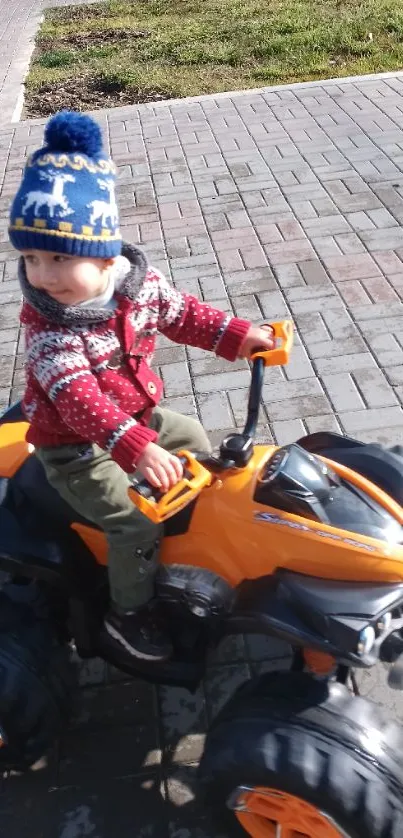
x=283, y=332
x=179, y=496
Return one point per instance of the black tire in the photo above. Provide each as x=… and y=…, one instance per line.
x=312, y=740
x=37, y=680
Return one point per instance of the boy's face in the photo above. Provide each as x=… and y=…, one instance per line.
x=68, y=279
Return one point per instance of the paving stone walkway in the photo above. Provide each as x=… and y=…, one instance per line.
x=285, y=202
x=19, y=22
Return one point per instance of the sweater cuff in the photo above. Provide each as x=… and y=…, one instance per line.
x=233, y=338
x=130, y=447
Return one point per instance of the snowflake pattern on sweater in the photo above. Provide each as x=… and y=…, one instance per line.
x=92, y=381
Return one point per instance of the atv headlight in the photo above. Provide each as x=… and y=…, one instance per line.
x=366, y=641
x=384, y=622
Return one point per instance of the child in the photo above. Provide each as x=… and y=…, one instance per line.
x=92, y=309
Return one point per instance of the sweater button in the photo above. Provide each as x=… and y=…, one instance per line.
x=151, y=387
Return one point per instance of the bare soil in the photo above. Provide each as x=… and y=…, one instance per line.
x=85, y=94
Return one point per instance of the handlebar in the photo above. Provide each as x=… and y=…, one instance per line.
x=283, y=333
x=255, y=394
x=146, y=490
x=157, y=505
x=284, y=337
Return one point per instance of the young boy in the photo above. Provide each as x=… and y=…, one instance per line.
x=92, y=309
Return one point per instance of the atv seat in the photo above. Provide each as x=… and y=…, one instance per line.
x=13, y=414
x=381, y=466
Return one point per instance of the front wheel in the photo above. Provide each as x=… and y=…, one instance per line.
x=291, y=757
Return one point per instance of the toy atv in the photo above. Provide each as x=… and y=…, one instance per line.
x=302, y=542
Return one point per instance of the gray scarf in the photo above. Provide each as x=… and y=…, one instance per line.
x=76, y=315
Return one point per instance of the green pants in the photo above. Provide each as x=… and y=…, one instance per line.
x=96, y=487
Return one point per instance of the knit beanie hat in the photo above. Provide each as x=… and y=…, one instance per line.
x=66, y=201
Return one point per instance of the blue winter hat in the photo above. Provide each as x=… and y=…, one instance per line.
x=66, y=201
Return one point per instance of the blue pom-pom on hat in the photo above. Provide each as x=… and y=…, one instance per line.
x=72, y=131
x=66, y=202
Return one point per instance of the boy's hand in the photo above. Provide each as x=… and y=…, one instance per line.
x=257, y=338
x=162, y=469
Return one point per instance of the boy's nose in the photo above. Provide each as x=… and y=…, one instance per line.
x=48, y=279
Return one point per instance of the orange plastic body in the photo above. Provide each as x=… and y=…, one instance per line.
x=232, y=535
x=319, y=662
x=95, y=540
x=14, y=449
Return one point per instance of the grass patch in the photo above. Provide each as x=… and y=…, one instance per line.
x=125, y=52
x=56, y=58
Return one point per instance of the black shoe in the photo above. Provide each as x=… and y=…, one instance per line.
x=138, y=632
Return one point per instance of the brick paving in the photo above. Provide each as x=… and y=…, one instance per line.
x=286, y=202
x=19, y=22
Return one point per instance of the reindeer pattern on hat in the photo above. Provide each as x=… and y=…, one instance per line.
x=102, y=210
x=56, y=201
x=50, y=200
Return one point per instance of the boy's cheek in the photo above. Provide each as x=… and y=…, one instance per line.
x=32, y=279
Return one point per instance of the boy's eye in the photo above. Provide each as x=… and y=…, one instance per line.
x=59, y=258
x=29, y=259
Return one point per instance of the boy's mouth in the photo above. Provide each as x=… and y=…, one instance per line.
x=64, y=297
x=58, y=293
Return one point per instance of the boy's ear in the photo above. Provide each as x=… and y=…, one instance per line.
x=108, y=262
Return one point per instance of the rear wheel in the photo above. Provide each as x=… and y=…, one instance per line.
x=37, y=679
x=271, y=813
x=292, y=757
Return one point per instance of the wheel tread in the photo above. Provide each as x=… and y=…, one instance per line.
x=261, y=741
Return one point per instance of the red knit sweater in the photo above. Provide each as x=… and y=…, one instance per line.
x=92, y=381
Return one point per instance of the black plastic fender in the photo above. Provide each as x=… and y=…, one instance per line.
x=59, y=557
x=317, y=613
